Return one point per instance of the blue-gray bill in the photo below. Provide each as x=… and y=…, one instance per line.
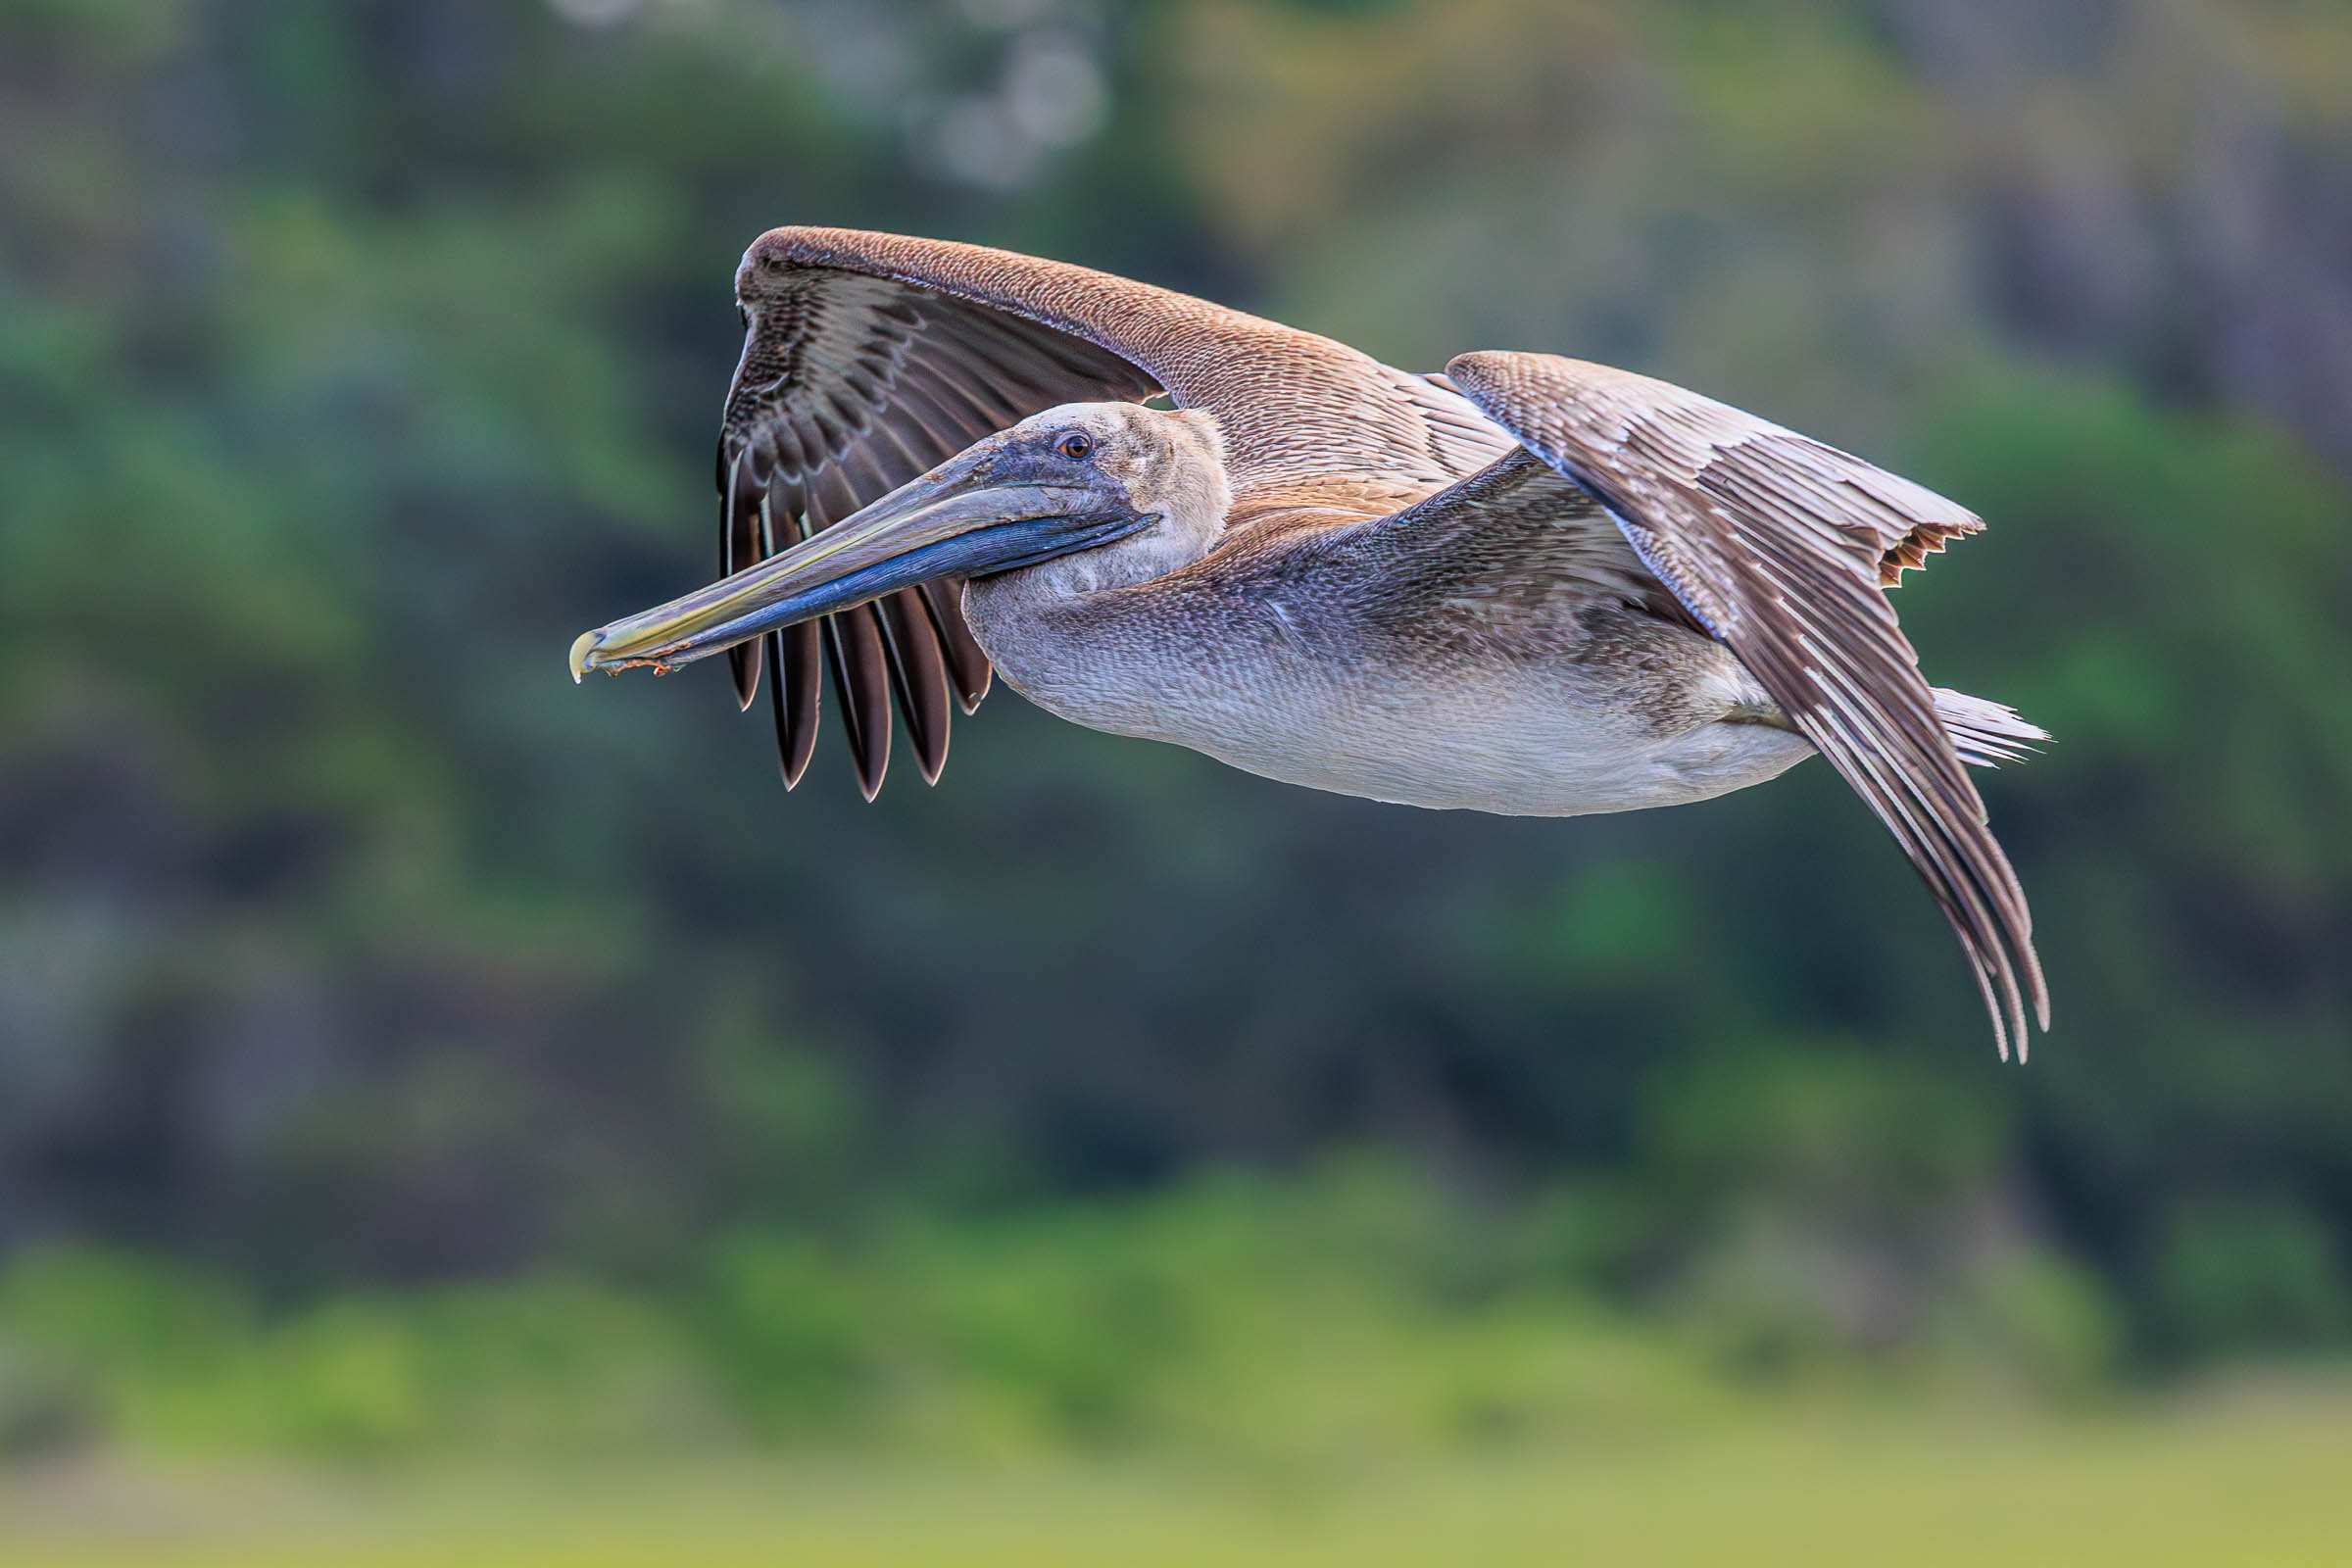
x=972, y=518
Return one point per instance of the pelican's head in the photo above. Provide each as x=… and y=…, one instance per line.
x=1100, y=495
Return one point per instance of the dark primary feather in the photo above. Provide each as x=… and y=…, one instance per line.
x=1779, y=545
x=871, y=357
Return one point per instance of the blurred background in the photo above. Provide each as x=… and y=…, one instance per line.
x=407, y=1057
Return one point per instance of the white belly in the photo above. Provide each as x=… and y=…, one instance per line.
x=1523, y=743
x=1554, y=714
x=1559, y=769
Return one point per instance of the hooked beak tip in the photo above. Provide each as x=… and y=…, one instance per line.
x=583, y=654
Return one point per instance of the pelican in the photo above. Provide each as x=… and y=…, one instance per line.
x=1529, y=585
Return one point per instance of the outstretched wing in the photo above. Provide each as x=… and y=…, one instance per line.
x=868, y=358
x=849, y=387
x=1780, y=546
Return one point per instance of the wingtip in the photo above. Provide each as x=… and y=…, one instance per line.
x=2037, y=998
x=931, y=751
x=747, y=663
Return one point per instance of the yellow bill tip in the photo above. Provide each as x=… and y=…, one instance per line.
x=582, y=647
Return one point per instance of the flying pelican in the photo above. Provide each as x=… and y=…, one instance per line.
x=1530, y=585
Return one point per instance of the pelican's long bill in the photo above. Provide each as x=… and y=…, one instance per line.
x=989, y=510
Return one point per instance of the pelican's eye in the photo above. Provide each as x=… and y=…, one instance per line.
x=1075, y=446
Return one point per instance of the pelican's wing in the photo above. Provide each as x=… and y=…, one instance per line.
x=850, y=385
x=1780, y=546
x=1518, y=520
x=871, y=357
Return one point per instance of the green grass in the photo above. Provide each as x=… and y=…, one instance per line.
x=2250, y=1478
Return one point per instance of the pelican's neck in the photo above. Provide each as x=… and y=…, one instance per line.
x=1065, y=632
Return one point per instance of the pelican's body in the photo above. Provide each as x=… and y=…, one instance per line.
x=1483, y=689
x=1531, y=586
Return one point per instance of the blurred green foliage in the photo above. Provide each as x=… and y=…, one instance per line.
x=1345, y=1316
x=399, y=1048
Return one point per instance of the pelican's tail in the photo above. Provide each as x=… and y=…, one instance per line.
x=1985, y=733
